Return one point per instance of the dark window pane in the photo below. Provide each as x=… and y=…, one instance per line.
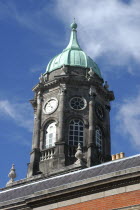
x=76, y=138
x=71, y=138
x=81, y=138
x=71, y=132
x=70, y=142
x=76, y=133
x=81, y=133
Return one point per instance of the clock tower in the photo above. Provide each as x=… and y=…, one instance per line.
x=71, y=114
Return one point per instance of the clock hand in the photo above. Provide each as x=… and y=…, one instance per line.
x=49, y=105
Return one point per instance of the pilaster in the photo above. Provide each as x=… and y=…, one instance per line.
x=37, y=122
x=91, y=144
x=33, y=167
x=61, y=112
x=60, y=144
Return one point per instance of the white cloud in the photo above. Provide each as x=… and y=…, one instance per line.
x=128, y=118
x=22, y=114
x=106, y=28
x=37, y=68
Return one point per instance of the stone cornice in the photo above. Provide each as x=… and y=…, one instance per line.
x=75, y=189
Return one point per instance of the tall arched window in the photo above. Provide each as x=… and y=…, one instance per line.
x=50, y=135
x=76, y=132
x=99, y=138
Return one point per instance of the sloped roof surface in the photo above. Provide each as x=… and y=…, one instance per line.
x=49, y=183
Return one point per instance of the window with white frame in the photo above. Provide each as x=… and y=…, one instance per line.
x=76, y=132
x=50, y=135
x=99, y=138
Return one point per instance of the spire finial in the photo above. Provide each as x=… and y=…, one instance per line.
x=73, y=25
x=73, y=43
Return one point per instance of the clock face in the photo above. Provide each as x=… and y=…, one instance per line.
x=51, y=105
x=100, y=111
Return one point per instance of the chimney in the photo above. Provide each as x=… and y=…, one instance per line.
x=118, y=156
x=113, y=157
x=121, y=154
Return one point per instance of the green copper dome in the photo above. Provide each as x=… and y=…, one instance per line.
x=73, y=55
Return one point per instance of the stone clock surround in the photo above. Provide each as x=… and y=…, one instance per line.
x=50, y=105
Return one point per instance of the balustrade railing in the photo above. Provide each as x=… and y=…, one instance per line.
x=71, y=151
x=47, y=154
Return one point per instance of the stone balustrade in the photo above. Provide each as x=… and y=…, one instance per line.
x=47, y=154
x=71, y=151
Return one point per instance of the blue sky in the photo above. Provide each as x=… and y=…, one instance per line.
x=32, y=32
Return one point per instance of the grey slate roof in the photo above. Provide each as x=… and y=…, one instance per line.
x=49, y=183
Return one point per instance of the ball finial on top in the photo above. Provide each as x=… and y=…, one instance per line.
x=73, y=25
